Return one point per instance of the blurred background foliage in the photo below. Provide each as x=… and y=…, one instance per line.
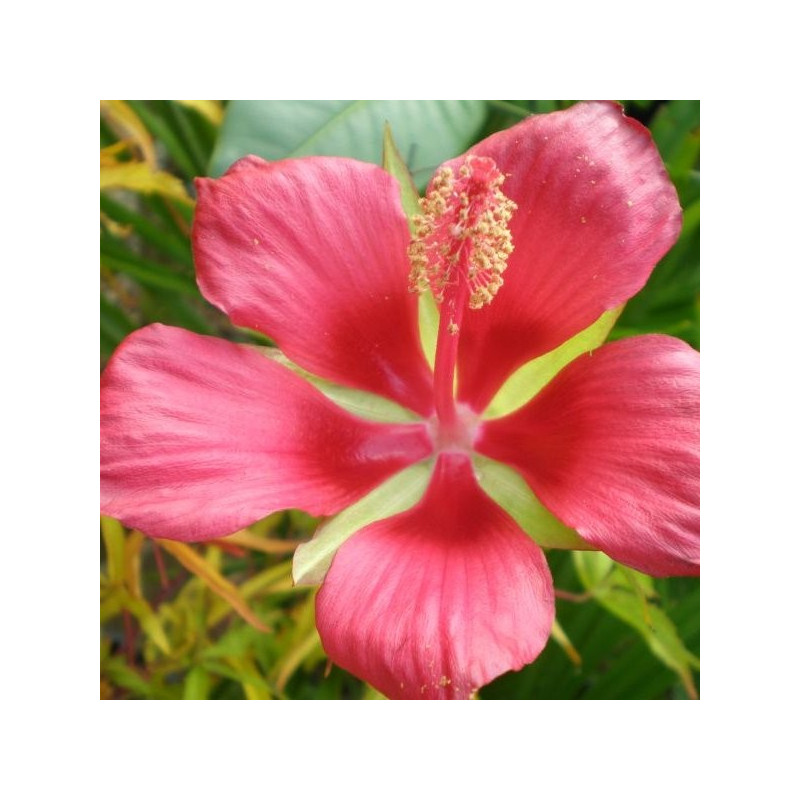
x=222, y=620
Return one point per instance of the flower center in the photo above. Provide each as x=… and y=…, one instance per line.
x=458, y=437
x=459, y=252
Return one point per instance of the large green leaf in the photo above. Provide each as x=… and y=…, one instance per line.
x=427, y=132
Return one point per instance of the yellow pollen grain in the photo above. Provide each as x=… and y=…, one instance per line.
x=256, y=241
x=444, y=681
x=629, y=203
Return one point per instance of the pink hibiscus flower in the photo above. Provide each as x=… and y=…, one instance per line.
x=525, y=241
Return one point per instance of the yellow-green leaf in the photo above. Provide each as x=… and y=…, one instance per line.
x=212, y=578
x=133, y=563
x=251, y=541
x=295, y=657
x=147, y=618
x=212, y=110
x=137, y=176
x=197, y=685
x=275, y=578
x=114, y=540
x=123, y=120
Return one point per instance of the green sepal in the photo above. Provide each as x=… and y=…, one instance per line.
x=428, y=311
x=532, y=377
x=393, y=163
x=362, y=404
x=313, y=559
x=510, y=491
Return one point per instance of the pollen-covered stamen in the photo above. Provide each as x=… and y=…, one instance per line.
x=463, y=233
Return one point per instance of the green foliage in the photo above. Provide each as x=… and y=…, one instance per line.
x=670, y=302
x=427, y=132
x=223, y=620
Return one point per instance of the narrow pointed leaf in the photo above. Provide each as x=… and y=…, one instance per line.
x=147, y=618
x=114, y=541
x=124, y=121
x=137, y=176
x=219, y=585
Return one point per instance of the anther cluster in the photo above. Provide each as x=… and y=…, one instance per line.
x=463, y=233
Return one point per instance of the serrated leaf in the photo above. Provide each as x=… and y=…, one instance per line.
x=510, y=491
x=530, y=378
x=398, y=494
x=427, y=132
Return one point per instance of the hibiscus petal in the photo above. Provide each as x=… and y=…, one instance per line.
x=612, y=447
x=596, y=213
x=312, y=252
x=200, y=437
x=439, y=600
